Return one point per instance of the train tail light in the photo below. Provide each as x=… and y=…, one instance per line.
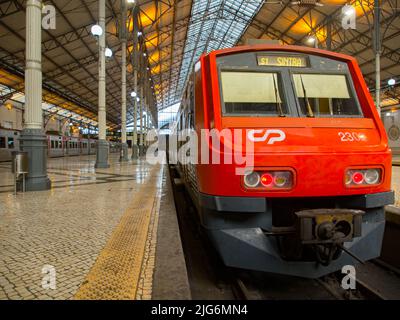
x=252, y=180
x=269, y=180
x=363, y=177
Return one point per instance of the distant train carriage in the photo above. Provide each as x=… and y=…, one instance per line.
x=56, y=146
x=73, y=146
x=84, y=143
x=92, y=146
x=8, y=143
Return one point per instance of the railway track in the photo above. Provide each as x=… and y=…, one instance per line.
x=210, y=279
x=327, y=288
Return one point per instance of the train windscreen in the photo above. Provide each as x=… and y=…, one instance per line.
x=325, y=95
x=252, y=93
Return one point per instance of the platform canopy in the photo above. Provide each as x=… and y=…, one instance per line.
x=176, y=33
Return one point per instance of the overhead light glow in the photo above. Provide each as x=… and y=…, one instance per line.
x=311, y=39
x=96, y=30
x=391, y=82
x=349, y=10
x=108, y=53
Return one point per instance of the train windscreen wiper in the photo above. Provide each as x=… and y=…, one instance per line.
x=278, y=103
x=310, y=113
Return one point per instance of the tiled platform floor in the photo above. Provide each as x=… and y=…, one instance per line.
x=69, y=226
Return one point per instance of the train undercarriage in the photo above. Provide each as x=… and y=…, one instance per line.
x=307, y=237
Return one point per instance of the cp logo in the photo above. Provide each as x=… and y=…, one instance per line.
x=272, y=135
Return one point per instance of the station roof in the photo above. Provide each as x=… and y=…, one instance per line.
x=297, y=22
x=175, y=33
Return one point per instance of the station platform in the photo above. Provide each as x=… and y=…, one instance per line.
x=99, y=233
x=396, y=160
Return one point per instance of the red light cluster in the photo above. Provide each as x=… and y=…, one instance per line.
x=363, y=177
x=269, y=180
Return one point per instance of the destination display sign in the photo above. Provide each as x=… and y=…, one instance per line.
x=282, y=61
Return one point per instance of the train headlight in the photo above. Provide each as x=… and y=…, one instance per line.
x=372, y=176
x=252, y=179
x=362, y=177
x=269, y=180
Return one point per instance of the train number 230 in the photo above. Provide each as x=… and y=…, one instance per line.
x=351, y=136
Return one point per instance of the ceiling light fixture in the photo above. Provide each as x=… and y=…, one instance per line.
x=96, y=30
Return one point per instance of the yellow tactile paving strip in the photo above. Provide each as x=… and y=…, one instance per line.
x=145, y=285
x=126, y=258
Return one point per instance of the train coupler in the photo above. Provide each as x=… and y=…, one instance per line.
x=324, y=226
x=327, y=229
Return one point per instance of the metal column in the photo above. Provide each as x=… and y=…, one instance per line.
x=329, y=35
x=33, y=139
x=377, y=50
x=135, y=149
x=141, y=106
x=102, y=144
x=124, y=147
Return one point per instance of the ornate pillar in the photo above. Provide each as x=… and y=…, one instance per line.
x=377, y=51
x=102, y=144
x=141, y=150
x=135, y=149
x=124, y=149
x=33, y=139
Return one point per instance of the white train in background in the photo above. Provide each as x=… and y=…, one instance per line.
x=58, y=146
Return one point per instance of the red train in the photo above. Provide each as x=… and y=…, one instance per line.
x=315, y=199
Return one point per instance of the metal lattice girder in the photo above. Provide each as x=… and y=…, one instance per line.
x=319, y=20
x=8, y=8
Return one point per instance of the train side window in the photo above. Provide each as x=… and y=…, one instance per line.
x=10, y=143
x=2, y=142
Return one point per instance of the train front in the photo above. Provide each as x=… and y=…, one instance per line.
x=313, y=199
